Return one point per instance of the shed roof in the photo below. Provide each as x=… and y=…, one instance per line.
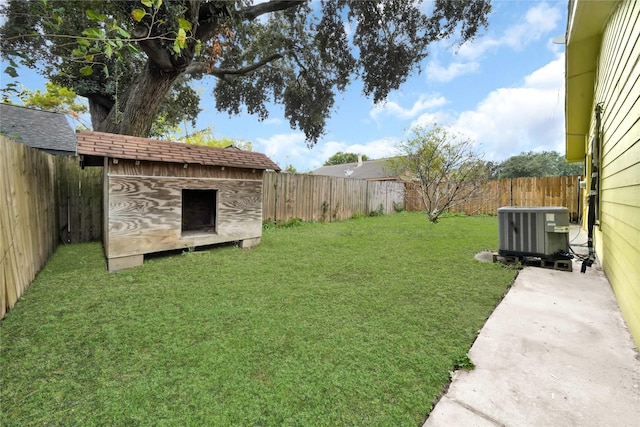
x=92, y=143
x=39, y=129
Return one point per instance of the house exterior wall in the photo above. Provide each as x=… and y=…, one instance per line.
x=617, y=90
x=144, y=206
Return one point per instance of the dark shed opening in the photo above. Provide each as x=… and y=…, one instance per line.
x=199, y=210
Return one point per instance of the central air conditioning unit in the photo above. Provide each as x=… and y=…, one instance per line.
x=533, y=232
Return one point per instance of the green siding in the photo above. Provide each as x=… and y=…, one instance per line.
x=618, y=88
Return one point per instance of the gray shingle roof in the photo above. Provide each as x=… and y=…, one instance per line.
x=39, y=129
x=369, y=169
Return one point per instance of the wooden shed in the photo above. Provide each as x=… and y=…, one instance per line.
x=161, y=196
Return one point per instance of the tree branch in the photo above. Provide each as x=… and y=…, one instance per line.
x=154, y=49
x=254, y=11
x=222, y=73
x=208, y=23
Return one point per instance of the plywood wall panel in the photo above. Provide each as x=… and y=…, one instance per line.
x=145, y=213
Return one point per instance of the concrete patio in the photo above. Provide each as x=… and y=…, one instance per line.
x=555, y=352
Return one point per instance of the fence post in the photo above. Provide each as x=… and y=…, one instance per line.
x=275, y=200
x=511, y=193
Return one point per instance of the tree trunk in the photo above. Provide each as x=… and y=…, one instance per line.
x=134, y=111
x=99, y=108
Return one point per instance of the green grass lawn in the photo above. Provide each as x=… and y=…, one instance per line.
x=351, y=323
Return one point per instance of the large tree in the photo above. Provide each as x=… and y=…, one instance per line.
x=341, y=158
x=134, y=60
x=546, y=163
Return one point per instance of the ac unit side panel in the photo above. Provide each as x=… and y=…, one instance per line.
x=519, y=233
x=536, y=232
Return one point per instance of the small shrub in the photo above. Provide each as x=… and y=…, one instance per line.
x=268, y=224
x=336, y=211
x=378, y=212
x=293, y=222
x=398, y=207
x=271, y=225
x=325, y=209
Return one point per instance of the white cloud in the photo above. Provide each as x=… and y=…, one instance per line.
x=285, y=149
x=512, y=120
x=540, y=20
x=377, y=149
x=429, y=119
x=393, y=109
x=550, y=76
x=272, y=121
x=438, y=73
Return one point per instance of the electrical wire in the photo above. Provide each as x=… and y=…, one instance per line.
x=578, y=256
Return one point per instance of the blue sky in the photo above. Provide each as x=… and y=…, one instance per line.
x=504, y=90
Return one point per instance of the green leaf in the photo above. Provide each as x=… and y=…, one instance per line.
x=147, y=3
x=84, y=42
x=198, y=47
x=79, y=52
x=11, y=71
x=108, y=50
x=181, y=39
x=95, y=33
x=86, y=71
x=176, y=46
x=138, y=14
x=133, y=48
x=124, y=33
x=157, y=4
x=184, y=24
x=95, y=16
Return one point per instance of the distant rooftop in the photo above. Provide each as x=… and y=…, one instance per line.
x=369, y=169
x=102, y=144
x=45, y=130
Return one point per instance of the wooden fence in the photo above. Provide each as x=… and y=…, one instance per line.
x=323, y=198
x=44, y=199
x=534, y=191
x=28, y=234
x=79, y=194
x=47, y=199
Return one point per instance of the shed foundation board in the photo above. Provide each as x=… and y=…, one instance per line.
x=249, y=243
x=120, y=263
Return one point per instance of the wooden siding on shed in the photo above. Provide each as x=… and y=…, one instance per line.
x=145, y=206
x=618, y=89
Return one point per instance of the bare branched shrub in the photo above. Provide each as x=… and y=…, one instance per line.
x=444, y=166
